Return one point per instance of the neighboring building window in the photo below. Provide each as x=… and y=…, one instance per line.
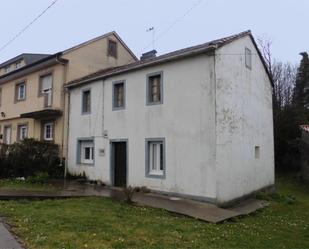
x=154, y=89
x=22, y=132
x=85, y=151
x=7, y=69
x=118, y=95
x=155, y=157
x=112, y=48
x=45, y=89
x=48, y=131
x=86, y=101
x=18, y=65
x=20, y=91
x=248, y=58
x=7, y=133
x=0, y=96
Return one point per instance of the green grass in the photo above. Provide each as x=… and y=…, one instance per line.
x=8, y=184
x=103, y=223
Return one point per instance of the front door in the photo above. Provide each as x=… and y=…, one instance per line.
x=119, y=163
x=7, y=134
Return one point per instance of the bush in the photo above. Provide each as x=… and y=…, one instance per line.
x=29, y=157
x=41, y=177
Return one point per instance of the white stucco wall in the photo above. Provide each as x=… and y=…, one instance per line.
x=244, y=120
x=210, y=129
x=186, y=120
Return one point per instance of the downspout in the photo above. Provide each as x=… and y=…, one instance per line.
x=63, y=62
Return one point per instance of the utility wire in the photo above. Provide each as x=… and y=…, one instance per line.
x=28, y=26
x=164, y=32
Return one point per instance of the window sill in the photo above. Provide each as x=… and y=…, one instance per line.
x=156, y=175
x=154, y=103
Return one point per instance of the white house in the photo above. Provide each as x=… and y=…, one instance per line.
x=196, y=122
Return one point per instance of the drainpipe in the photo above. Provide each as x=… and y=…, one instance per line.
x=63, y=62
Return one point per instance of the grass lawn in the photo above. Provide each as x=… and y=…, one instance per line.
x=25, y=185
x=103, y=223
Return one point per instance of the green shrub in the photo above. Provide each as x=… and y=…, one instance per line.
x=41, y=177
x=28, y=157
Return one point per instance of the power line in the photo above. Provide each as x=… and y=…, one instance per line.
x=28, y=26
x=164, y=32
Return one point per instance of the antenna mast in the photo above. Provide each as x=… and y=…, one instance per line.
x=153, y=36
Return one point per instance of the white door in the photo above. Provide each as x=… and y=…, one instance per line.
x=7, y=134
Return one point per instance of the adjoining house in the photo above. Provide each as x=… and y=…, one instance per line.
x=33, y=102
x=305, y=151
x=196, y=122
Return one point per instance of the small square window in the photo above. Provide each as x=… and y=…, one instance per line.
x=18, y=65
x=86, y=102
x=118, y=95
x=7, y=69
x=48, y=131
x=112, y=48
x=154, y=89
x=248, y=58
x=20, y=92
x=155, y=158
x=85, y=153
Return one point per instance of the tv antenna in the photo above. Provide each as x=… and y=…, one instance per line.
x=152, y=29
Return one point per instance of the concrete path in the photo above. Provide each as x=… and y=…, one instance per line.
x=200, y=210
x=7, y=241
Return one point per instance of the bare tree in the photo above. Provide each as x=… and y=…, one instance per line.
x=283, y=75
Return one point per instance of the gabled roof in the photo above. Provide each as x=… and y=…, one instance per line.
x=178, y=54
x=99, y=38
x=28, y=58
x=32, y=60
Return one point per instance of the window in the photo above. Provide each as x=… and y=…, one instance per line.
x=112, y=48
x=154, y=89
x=86, y=101
x=155, y=158
x=85, y=154
x=118, y=95
x=18, y=65
x=7, y=69
x=257, y=152
x=45, y=84
x=0, y=96
x=48, y=130
x=248, y=58
x=20, y=93
x=22, y=132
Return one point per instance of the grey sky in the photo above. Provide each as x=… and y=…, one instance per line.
x=70, y=22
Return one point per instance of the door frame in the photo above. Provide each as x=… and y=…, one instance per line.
x=5, y=127
x=112, y=163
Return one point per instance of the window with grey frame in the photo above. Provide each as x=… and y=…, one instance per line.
x=86, y=101
x=155, y=88
x=118, y=95
x=155, y=158
x=85, y=151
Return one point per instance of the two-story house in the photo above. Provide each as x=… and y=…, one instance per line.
x=196, y=122
x=33, y=102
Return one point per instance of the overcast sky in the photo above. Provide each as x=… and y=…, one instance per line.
x=70, y=22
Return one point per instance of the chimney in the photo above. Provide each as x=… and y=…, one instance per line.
x=149, y=55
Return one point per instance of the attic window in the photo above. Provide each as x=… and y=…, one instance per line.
x=112, y=48
x=248, y=58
